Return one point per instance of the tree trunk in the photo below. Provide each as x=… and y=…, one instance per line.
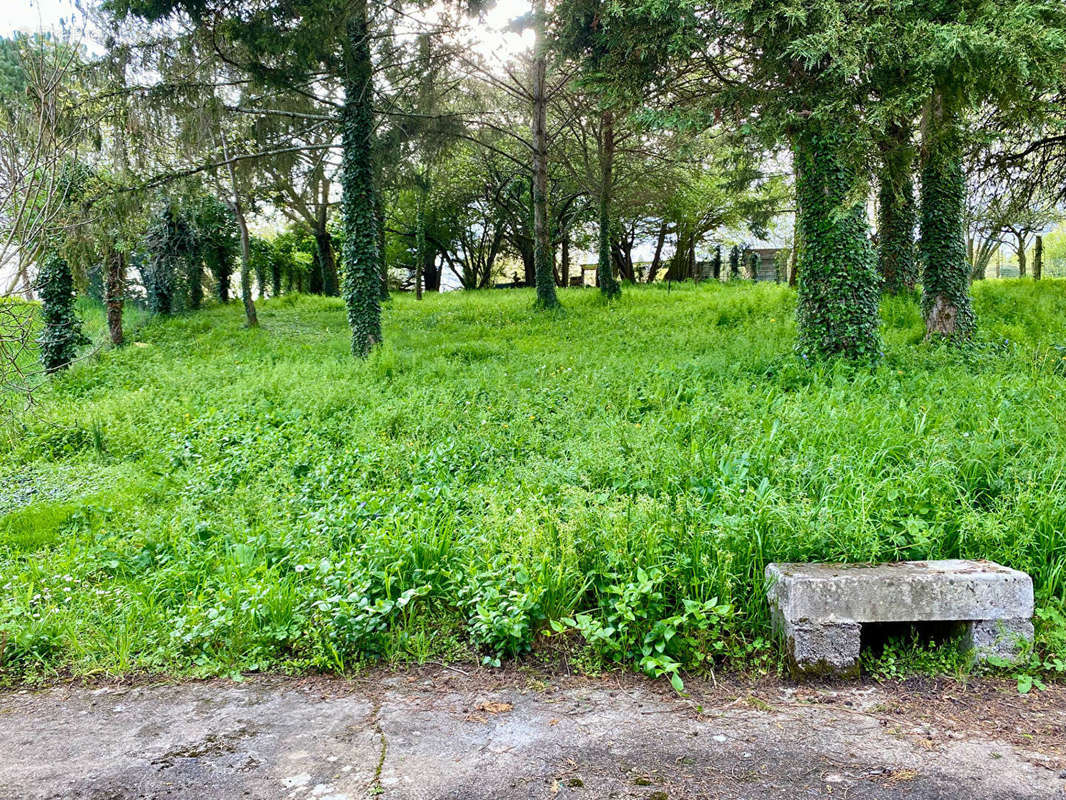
x=430, y=271
x=656, y=260
x=839, y=286
x=567, y=279
x=223, y=274
x=1020, y=237
x=420, y=238
x=115, y=295
x=327, y=261
x=542, y=251
x=250, y=317
x=362, y=260
x=115, y=281
x=529, y=269
x=897, y=212
x=1038, y=258
x=609, y=287
x=977, y=272
x=379, y=219
x=318, y=269
x=946, y=299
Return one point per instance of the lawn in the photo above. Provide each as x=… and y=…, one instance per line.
x=606, y=483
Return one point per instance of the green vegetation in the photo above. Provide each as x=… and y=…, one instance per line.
x=610, y=481
x=60, y=327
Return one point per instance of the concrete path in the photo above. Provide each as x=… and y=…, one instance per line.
x=436, y=733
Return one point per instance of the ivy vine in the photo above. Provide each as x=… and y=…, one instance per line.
x=839, y=288
x=62, y=334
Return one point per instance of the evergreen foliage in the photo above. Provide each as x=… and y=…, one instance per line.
x=61, y=334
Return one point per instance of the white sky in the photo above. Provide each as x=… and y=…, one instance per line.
x=34, y=15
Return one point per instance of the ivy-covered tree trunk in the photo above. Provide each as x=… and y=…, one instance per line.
x=609, y=287
x=946, y=301
x=716, y=263
x=314, y=276
x=61, y=336
x=223, y=272
x=544, y=272
x=275, y=278
x=1038, y=258
x=325, y=263
x=838, y=283
x=1020, y=248
x=362, y=261
x=734, y=263
x=115, y=295
x=897, y=212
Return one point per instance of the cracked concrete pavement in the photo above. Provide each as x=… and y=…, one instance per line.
x=443, y=733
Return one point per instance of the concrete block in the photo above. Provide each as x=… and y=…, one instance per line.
x=819, y=608
x=1001, y=638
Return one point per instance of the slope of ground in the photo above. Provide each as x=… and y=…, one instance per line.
x=212, y=498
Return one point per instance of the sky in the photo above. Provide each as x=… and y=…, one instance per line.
x=33, y=15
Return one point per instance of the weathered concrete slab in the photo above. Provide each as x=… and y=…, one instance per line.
x=820, y=608
x=436, y=734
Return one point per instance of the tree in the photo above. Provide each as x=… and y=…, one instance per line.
x=62, y=335
x=897, y=211
x=171, y=245
x=963, y=54
x=542, y=249
x=217, y=240
x=805, y=83
x=288, y=45
x=45, y=121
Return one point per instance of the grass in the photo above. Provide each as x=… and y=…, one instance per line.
x=610, y=481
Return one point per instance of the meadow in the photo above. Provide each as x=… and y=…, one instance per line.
x=604, y=484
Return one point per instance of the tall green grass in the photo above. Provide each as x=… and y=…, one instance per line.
x=216, y=498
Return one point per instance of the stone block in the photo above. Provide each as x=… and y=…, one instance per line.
x=819, y=609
